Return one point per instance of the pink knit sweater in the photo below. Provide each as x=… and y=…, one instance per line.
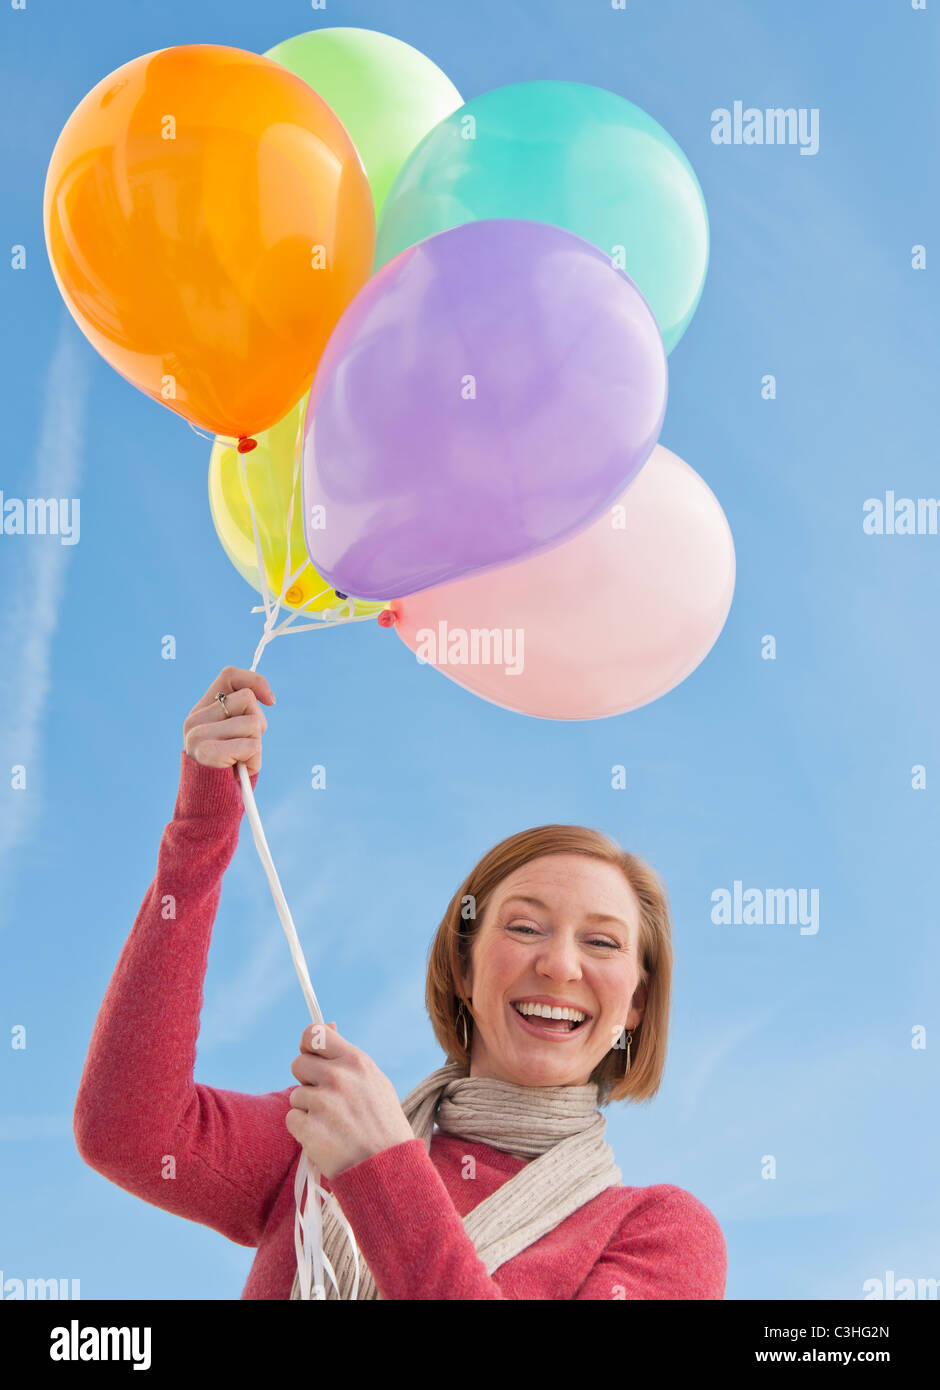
x=227, y=1159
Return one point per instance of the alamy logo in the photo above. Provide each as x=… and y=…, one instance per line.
x=892, y=1287
x=32, y=1287
x=902, y=516
x=475, y=646
x=41, y=516
x=766, y=906
x=77, y=1343
x=774, y=126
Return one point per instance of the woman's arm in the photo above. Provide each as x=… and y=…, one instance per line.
x=214, y=1156
x=417, y=1247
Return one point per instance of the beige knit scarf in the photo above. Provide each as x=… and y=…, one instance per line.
x=559, y=1127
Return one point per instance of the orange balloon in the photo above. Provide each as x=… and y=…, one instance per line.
x=208, y=219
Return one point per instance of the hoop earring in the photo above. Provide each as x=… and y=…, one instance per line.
x=462, y=1018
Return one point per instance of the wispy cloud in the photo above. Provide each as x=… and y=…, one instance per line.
x=266, y=975
x=35, y=1127
x=332, y=902
x=34, y=572
x=697, y=1080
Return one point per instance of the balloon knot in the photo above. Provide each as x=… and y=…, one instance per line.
x=386, y=618
x=339, y=595
x=245, y=445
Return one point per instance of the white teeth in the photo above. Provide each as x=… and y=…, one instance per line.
x=549, y=1011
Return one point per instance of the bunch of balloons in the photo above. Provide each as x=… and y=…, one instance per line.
x=430, y=337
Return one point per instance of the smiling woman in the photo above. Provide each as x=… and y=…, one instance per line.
x=548, y=989
x=559, y=917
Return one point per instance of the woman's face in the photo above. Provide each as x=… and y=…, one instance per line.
x=563, y=927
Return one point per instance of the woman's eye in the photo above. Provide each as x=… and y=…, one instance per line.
x=595, y=941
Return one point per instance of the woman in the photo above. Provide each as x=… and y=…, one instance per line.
x=516, y=1194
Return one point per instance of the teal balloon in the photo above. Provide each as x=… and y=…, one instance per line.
x=574, y=155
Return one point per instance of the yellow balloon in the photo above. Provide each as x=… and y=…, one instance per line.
x=270, y=473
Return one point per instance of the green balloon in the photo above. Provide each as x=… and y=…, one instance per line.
x=574, y=155
x=386, y=93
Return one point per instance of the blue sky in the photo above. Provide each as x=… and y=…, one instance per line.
x=787, y=773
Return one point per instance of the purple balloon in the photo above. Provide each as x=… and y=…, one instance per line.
x=486, y=394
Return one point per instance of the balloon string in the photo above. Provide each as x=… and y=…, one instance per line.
x=226, y=438
x=286, y=631
x=308, y=1230
x=309, y=1223
x=271, y=609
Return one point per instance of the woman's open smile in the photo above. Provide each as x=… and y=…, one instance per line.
x=555, y=1031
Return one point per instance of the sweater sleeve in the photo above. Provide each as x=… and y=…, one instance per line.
x=409, y=1230
x=417, y=1247
x=213, y=1156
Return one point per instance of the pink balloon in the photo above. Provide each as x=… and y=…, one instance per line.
x=604, y=622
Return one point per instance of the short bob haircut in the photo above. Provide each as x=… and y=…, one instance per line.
x=451, y=952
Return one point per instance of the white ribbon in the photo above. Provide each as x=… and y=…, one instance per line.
x=308, y=1223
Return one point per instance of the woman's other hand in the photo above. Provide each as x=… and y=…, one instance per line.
x=215, y=739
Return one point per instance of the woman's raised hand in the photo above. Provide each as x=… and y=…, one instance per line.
x=215, y=739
